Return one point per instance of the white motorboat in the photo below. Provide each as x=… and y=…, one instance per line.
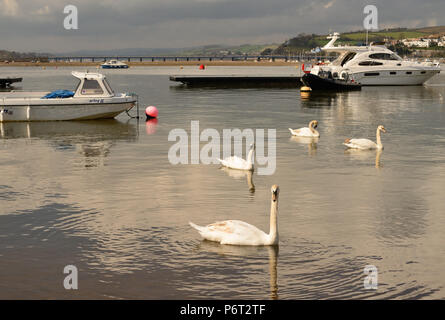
x=374, y=65
x=92, y=99
x=114, y=64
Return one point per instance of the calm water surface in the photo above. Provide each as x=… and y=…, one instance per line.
x=102, y=195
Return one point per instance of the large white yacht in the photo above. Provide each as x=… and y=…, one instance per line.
x=373, y=65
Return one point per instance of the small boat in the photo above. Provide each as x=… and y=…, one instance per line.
x=6, y=82
x=114, y=64
x=92, y=99
x=325, y=81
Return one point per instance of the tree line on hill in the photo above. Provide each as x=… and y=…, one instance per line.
x=306, y=43
x=9, y=56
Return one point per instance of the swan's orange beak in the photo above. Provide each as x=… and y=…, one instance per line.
x=275, y=193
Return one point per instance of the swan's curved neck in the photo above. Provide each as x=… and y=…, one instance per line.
x=311, y=127
x=379, y=140
x=250, y=156
x=273, y=233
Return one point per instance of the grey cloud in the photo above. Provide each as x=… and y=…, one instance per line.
x=107, y=24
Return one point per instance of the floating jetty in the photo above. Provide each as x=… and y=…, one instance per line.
x=288, y=81
x=6, y=82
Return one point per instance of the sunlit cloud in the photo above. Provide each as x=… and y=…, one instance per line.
x=9, y=8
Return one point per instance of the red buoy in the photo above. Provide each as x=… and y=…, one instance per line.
x=202, y=67
x=151, y=112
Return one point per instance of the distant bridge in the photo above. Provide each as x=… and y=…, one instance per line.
x=190, y=58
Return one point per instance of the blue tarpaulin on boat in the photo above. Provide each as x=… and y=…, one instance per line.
x=59, y=94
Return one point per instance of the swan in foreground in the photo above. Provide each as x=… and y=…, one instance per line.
x=240, y=233
x=235, y=162
x=307, y=131
x=365, y=144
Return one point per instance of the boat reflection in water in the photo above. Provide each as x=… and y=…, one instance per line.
x=93, y=138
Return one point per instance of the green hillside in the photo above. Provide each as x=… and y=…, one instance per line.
x=304, y=42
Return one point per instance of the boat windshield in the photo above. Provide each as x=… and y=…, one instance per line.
x=108, y=87
x=91, y=87
x=343, y=58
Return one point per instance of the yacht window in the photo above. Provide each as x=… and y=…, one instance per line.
x=423, y=72
x=370, y=74
x=409, y=72
x=348, y=57
x=91, y=87
x=383, y=56
x=370, y=63
x=393, y=72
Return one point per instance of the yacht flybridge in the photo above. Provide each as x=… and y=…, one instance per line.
x=92, y=99
x=373, y=65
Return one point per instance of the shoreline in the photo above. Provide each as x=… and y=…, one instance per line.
x=150, y=63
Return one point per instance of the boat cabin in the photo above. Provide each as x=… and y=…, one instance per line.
x=367, y=58
x=92, y=85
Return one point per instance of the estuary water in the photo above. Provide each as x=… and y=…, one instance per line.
x=104, y=197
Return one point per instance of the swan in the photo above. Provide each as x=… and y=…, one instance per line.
x=365, y=144
x=235, y=162
x=235, y=232
x=307, y=131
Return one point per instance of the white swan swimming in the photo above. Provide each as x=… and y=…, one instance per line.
x=307, y=131
x=237, y=232
x=235, y=162
x=365, y=144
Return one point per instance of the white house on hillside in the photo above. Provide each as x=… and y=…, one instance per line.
x=420, y=43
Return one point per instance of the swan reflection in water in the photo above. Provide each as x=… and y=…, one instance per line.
x=311, y=143
x=239, y=174
x=246, y=252
x=363, y=155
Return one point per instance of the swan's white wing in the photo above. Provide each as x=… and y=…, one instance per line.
x=303, y=132
x=233, y=232
x=360, y=144
x=235, y=163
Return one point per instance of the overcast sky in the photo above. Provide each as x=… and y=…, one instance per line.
x=37, y=25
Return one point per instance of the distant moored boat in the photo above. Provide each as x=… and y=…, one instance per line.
x=114, y=64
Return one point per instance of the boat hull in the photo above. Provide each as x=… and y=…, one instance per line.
x=114, y=67
x=62, y=112
x=318, y=83
x=400, y=78
x=6, y=82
